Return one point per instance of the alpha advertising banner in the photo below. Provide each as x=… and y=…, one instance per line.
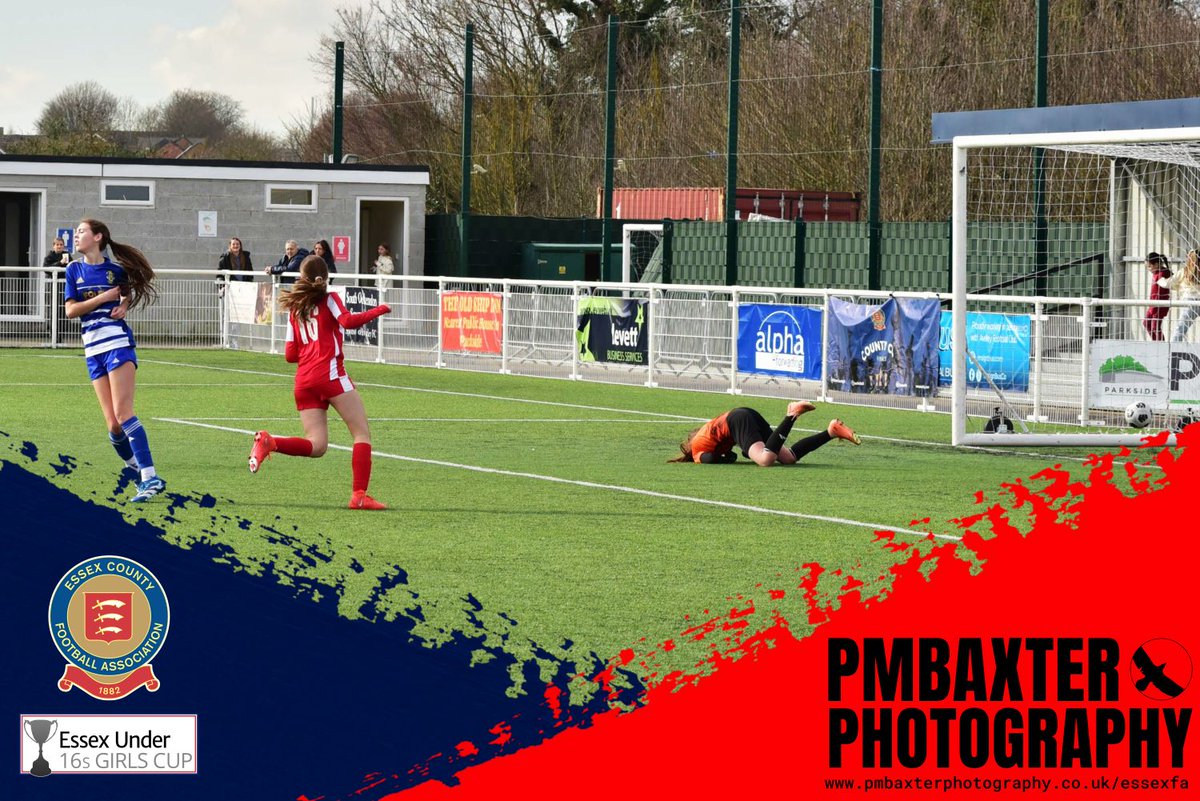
x=889, y=349
x=360, y=299
x=1000, y=342
x=779, y=340
x=613, y=330
x=472, y=321
x=1158, y=373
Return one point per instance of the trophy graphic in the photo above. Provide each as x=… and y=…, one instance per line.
x=40, y=731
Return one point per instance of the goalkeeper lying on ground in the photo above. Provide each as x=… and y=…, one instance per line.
x=713, y=442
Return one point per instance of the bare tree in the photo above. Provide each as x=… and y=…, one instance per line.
x=85, y=107
x=195, y=113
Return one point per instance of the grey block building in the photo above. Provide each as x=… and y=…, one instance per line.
x=182, y=213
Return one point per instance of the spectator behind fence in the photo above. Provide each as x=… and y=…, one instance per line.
x=321, y=248
x=384, y=266
x=1156, y=263
x=1186, y=286
x=234, y=259
x=58, y=256
x=293, y=254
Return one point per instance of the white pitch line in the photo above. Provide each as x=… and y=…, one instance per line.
x=595, y=485
x=507, y=398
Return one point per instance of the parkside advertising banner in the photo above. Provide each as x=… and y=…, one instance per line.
x=999, y=341
x=1161, y=374
x=890, y=349
x=779, y=340
x=613, y=330
x=472, y=321
x=360, y=299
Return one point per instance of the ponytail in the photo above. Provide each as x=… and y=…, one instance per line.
x=138, y=272
x=685, y=447
x=309, y=290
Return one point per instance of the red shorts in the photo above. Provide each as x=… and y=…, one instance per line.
x=317, y=396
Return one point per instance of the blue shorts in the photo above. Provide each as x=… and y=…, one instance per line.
x=103, y=364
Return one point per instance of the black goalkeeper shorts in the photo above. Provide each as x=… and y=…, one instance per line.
x=747, y=427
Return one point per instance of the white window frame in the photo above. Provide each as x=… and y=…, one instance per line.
x=105, y=184
x=287, y=206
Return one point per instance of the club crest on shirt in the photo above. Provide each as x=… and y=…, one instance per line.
x=108, y=276
x=108, y=618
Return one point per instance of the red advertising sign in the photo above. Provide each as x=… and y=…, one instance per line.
x=471, y=321
x=341, y=248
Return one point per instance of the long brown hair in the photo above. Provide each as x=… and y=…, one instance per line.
x=309, y=290
x=685, y=447
x=138, y=272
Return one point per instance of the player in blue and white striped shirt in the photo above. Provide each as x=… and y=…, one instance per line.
x=101, y=292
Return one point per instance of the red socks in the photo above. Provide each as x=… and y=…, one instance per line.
x=361, y=464
x=293, y=446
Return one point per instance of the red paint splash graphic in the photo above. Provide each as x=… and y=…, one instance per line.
x=1065, y=561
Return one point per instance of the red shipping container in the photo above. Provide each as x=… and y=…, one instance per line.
x=708, y=204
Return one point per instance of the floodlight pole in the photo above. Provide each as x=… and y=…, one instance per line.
x=1040, y=228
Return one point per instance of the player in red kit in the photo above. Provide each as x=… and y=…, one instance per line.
x=316, y=319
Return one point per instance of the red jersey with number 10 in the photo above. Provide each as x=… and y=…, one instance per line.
x=318, y=343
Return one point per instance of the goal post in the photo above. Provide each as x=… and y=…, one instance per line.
x=641, y=252
x=1049, y=238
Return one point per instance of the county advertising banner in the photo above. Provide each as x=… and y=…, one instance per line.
x=888, y=349
x=779, y=340
x=1000, y=342
x=360, y=299
x=472, y=321
x=613, y=330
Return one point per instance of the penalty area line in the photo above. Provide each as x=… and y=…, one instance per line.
x=596, y=485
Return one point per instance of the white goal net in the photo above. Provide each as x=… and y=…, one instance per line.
x=1057, y=325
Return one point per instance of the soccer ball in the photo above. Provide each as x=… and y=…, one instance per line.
x=1138, y=414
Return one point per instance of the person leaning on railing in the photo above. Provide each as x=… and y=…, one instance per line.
x=234, y=259
x=1186, y=286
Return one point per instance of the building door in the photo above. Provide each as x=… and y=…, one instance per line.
x=23, y=292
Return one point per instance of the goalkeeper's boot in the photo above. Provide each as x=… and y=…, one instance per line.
x=264, y=446
x=359, y=499
x=840, y=430
x=148, y=489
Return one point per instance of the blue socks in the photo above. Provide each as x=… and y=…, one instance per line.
x=123, y=448
x=140, y=445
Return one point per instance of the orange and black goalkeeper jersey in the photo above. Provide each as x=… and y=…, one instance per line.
x=713, y=437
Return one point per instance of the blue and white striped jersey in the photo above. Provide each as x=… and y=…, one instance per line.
x=101, y=333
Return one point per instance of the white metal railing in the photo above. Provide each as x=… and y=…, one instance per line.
x=693, y=340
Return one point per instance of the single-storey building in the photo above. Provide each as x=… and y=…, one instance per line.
x=182, y=213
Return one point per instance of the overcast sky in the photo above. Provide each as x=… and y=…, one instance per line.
x=255, y=51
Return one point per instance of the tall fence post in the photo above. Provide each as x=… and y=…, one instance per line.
x=668, y=250
x=441, y=289
x=731, y=222
x=610, y=139
x=274, y=310
x=339, y=71
x=575, y=331
x=505, y=301
x=874, y=227
x=799, y=255
x=464, y=203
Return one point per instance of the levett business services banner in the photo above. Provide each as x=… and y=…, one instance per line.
x=890, y=349
x=1001, y=344
x=613, y=330
x=471, y=321
x=779, y=340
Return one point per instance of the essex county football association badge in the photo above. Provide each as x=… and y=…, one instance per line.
x=108, y=617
